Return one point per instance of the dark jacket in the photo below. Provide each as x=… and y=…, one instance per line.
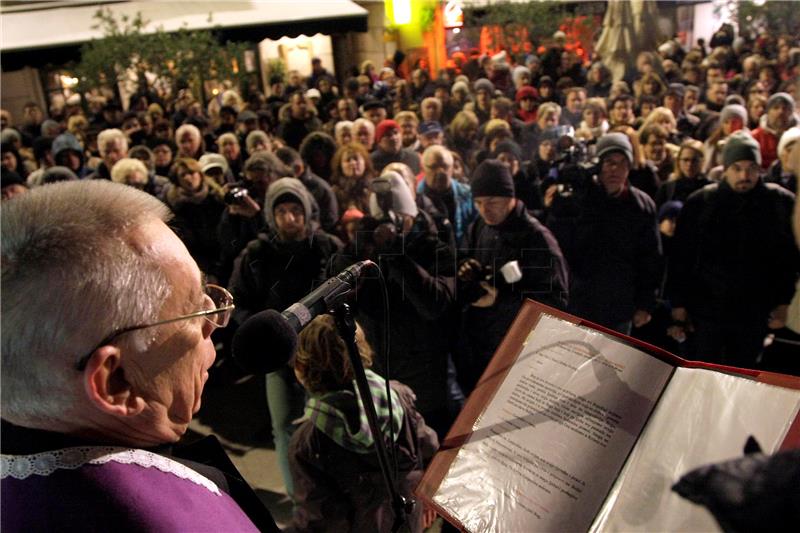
x=419, y=272
x=100, y=173
x=613, y=250
x=777, y=174
x=520, y=237
x=336, y=489
x=273, y=274
x=233, y=234
x=293, y=130
x=680, y=189
x=406, y=156
x=735, y=257
x=196, y=219
x=325, y=197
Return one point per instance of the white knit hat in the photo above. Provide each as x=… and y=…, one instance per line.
x=789, y=136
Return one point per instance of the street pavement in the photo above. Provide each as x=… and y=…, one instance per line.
x=234, y=409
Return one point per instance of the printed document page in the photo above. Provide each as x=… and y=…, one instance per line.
x=546, y=450
x=703, y=417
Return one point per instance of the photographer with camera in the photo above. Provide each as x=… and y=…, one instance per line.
x=507, y=256
x=241, y=221
x=419, y=270
x=608, y=231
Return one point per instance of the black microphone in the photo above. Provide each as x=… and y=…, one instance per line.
x=267, y=340
x=325, y=297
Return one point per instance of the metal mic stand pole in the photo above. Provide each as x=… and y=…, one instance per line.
x=346, y=326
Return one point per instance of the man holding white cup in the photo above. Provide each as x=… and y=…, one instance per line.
x=507, y=255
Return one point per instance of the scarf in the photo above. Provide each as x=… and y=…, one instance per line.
x=334, y=414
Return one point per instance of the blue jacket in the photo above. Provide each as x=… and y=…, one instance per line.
x=465, y=210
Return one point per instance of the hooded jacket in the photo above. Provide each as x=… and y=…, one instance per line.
x=283, y=186
x=67, y=141
x=271, y=273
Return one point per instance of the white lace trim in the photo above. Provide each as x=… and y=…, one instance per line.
x=44, y=464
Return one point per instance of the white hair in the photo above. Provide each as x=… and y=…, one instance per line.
x=71, y=275
x=338, y=129
x=125, y=167
x=435, y=153
x=254, y=137
x=357, y=123
x=226, y=138
x=111, y=134
x=191, y=128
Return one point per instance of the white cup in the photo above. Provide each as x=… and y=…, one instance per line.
x=511, y=272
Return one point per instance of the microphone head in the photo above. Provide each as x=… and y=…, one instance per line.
x=264, y=343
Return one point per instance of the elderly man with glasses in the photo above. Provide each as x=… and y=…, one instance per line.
x=106, y=346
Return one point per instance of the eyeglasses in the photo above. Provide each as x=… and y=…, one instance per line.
x=220, y=306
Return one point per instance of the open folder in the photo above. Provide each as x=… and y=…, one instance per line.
x=574, y=427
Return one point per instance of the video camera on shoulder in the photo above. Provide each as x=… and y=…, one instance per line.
x=574, y=162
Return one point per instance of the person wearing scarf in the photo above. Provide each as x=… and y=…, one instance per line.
x=337, y=480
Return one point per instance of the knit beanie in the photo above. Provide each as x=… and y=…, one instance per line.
x=781, y=98
x=492, y=178
x=614, y=142
x=459, y=86
x=9, y=177
x=731, y=111
x=483, y=84
x=789, y=136
x=383, y=127
x=509, y=147
x=526, y=91
x=734, y=99
x=402, y=200
x=740, y=146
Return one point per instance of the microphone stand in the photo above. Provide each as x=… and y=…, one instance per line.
x=346, y=326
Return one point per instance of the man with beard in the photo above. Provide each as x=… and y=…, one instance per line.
x=735, y=263
x=778, y=118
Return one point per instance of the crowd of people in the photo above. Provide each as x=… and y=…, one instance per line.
x=659, y=206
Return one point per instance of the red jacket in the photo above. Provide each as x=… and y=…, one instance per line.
x=769, y=145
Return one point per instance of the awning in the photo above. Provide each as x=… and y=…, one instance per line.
x=254, y=20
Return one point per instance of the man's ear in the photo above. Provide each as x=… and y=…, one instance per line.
x=107, y=386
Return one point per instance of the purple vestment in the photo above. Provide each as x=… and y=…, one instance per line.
x=111, y=489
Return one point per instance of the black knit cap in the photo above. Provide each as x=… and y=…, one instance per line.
x=9, y=177
x=510, y=147
x=492, y=178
